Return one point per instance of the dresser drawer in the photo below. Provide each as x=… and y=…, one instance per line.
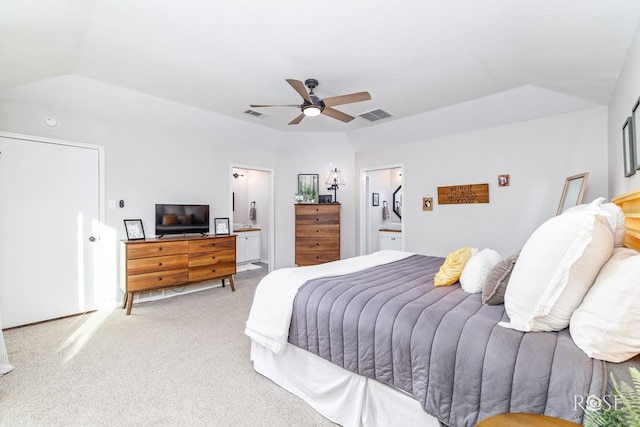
x=211, y=258
x=159, y=279
x=313, y=257
x=156, y=263
x=310, y=215
x=144, y=250
x=207, y=272
x=318, y=230
x=306, y=244
x=208, y=245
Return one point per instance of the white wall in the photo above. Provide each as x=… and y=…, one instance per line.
x=625, y=95
x=538, y=155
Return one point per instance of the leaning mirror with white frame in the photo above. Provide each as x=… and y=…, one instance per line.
x=573, y=191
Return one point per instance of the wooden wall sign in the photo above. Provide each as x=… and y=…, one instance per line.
x=463, y=194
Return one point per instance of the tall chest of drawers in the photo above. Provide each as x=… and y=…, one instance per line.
x=317, y=233
x=153, y=264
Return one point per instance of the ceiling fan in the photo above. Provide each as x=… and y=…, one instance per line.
x=313, y=106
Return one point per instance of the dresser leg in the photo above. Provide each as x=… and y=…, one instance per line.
x=124, y=299
x=129, y=303
x=233, y=288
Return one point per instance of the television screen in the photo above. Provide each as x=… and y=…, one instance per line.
x=181, y=219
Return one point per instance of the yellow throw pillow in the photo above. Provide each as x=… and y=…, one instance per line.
x=452, y=268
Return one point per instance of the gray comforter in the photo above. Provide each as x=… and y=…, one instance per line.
x=442, y=345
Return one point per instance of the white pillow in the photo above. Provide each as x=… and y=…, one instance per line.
x=614, y=215
x=477, y=269
x=607, y=324
x=555, y=269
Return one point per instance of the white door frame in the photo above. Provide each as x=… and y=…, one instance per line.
x=271, y=208
x=365, y=218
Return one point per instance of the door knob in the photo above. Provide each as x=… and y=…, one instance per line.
x=92, y=239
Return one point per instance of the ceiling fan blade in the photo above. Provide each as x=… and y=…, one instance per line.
x=297, y=119
x=328, y=111
x=346, y=99
x=282, y=105
x=300, y=88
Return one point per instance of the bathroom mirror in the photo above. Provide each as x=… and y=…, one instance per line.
x=573, y=191
x=397, y=201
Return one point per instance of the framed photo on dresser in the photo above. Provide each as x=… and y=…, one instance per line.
x=134, y=229
x=221, y=226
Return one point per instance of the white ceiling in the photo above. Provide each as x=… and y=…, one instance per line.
x=504, y=59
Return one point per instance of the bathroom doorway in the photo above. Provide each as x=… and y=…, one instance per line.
x=381, y=207
x=252, y=214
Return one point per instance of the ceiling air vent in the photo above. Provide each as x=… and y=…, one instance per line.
x=256, y=114
x=375, y=115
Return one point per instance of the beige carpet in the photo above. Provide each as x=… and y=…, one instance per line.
x=181, y=361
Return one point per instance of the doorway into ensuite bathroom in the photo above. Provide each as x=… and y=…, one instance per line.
x=381, y=209
x=252, y=217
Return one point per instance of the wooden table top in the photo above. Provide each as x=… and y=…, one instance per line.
x=524, y=420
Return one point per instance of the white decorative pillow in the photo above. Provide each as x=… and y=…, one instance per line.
x=606, y=325
x=612, y=212
x=555, y=269
x=477, y=269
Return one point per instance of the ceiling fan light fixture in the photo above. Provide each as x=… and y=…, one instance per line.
x=311, y=111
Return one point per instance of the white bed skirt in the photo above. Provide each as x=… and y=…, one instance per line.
x=341, y=396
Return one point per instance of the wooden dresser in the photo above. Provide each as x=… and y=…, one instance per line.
x=317, y=233
x=153, y=264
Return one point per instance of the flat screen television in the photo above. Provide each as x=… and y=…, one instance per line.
x=181, y=219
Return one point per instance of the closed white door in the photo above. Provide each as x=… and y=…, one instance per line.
x=49, y=224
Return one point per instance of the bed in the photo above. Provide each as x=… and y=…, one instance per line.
x=371, y=341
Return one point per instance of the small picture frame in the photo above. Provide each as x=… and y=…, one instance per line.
x=635, y=126
x=503, y=180
x=628, y=148
x=308, y=187
x=427, y=203
x=325, y=198
x=375, y=199
x=134, y=229
x=221, y=226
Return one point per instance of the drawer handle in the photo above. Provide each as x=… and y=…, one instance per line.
x=160, y=248
x=317, y=231
x=159, y=264
x=213, y=257
x=213, y=244
x=317, y=219
x=317, y=244
x=213, y=270
x=159, y=279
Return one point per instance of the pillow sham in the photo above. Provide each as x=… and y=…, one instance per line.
x=605, y=325
x=452, y=267
x=613, y=214
x=496, y=283
x=477, y=269
x=555, y=269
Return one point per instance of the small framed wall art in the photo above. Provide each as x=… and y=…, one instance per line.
x=427, y=203
x=308, y=187
x=503, y=180
x=134, y=229
x=221, y=226
x=634, y=125
x=628, y=147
